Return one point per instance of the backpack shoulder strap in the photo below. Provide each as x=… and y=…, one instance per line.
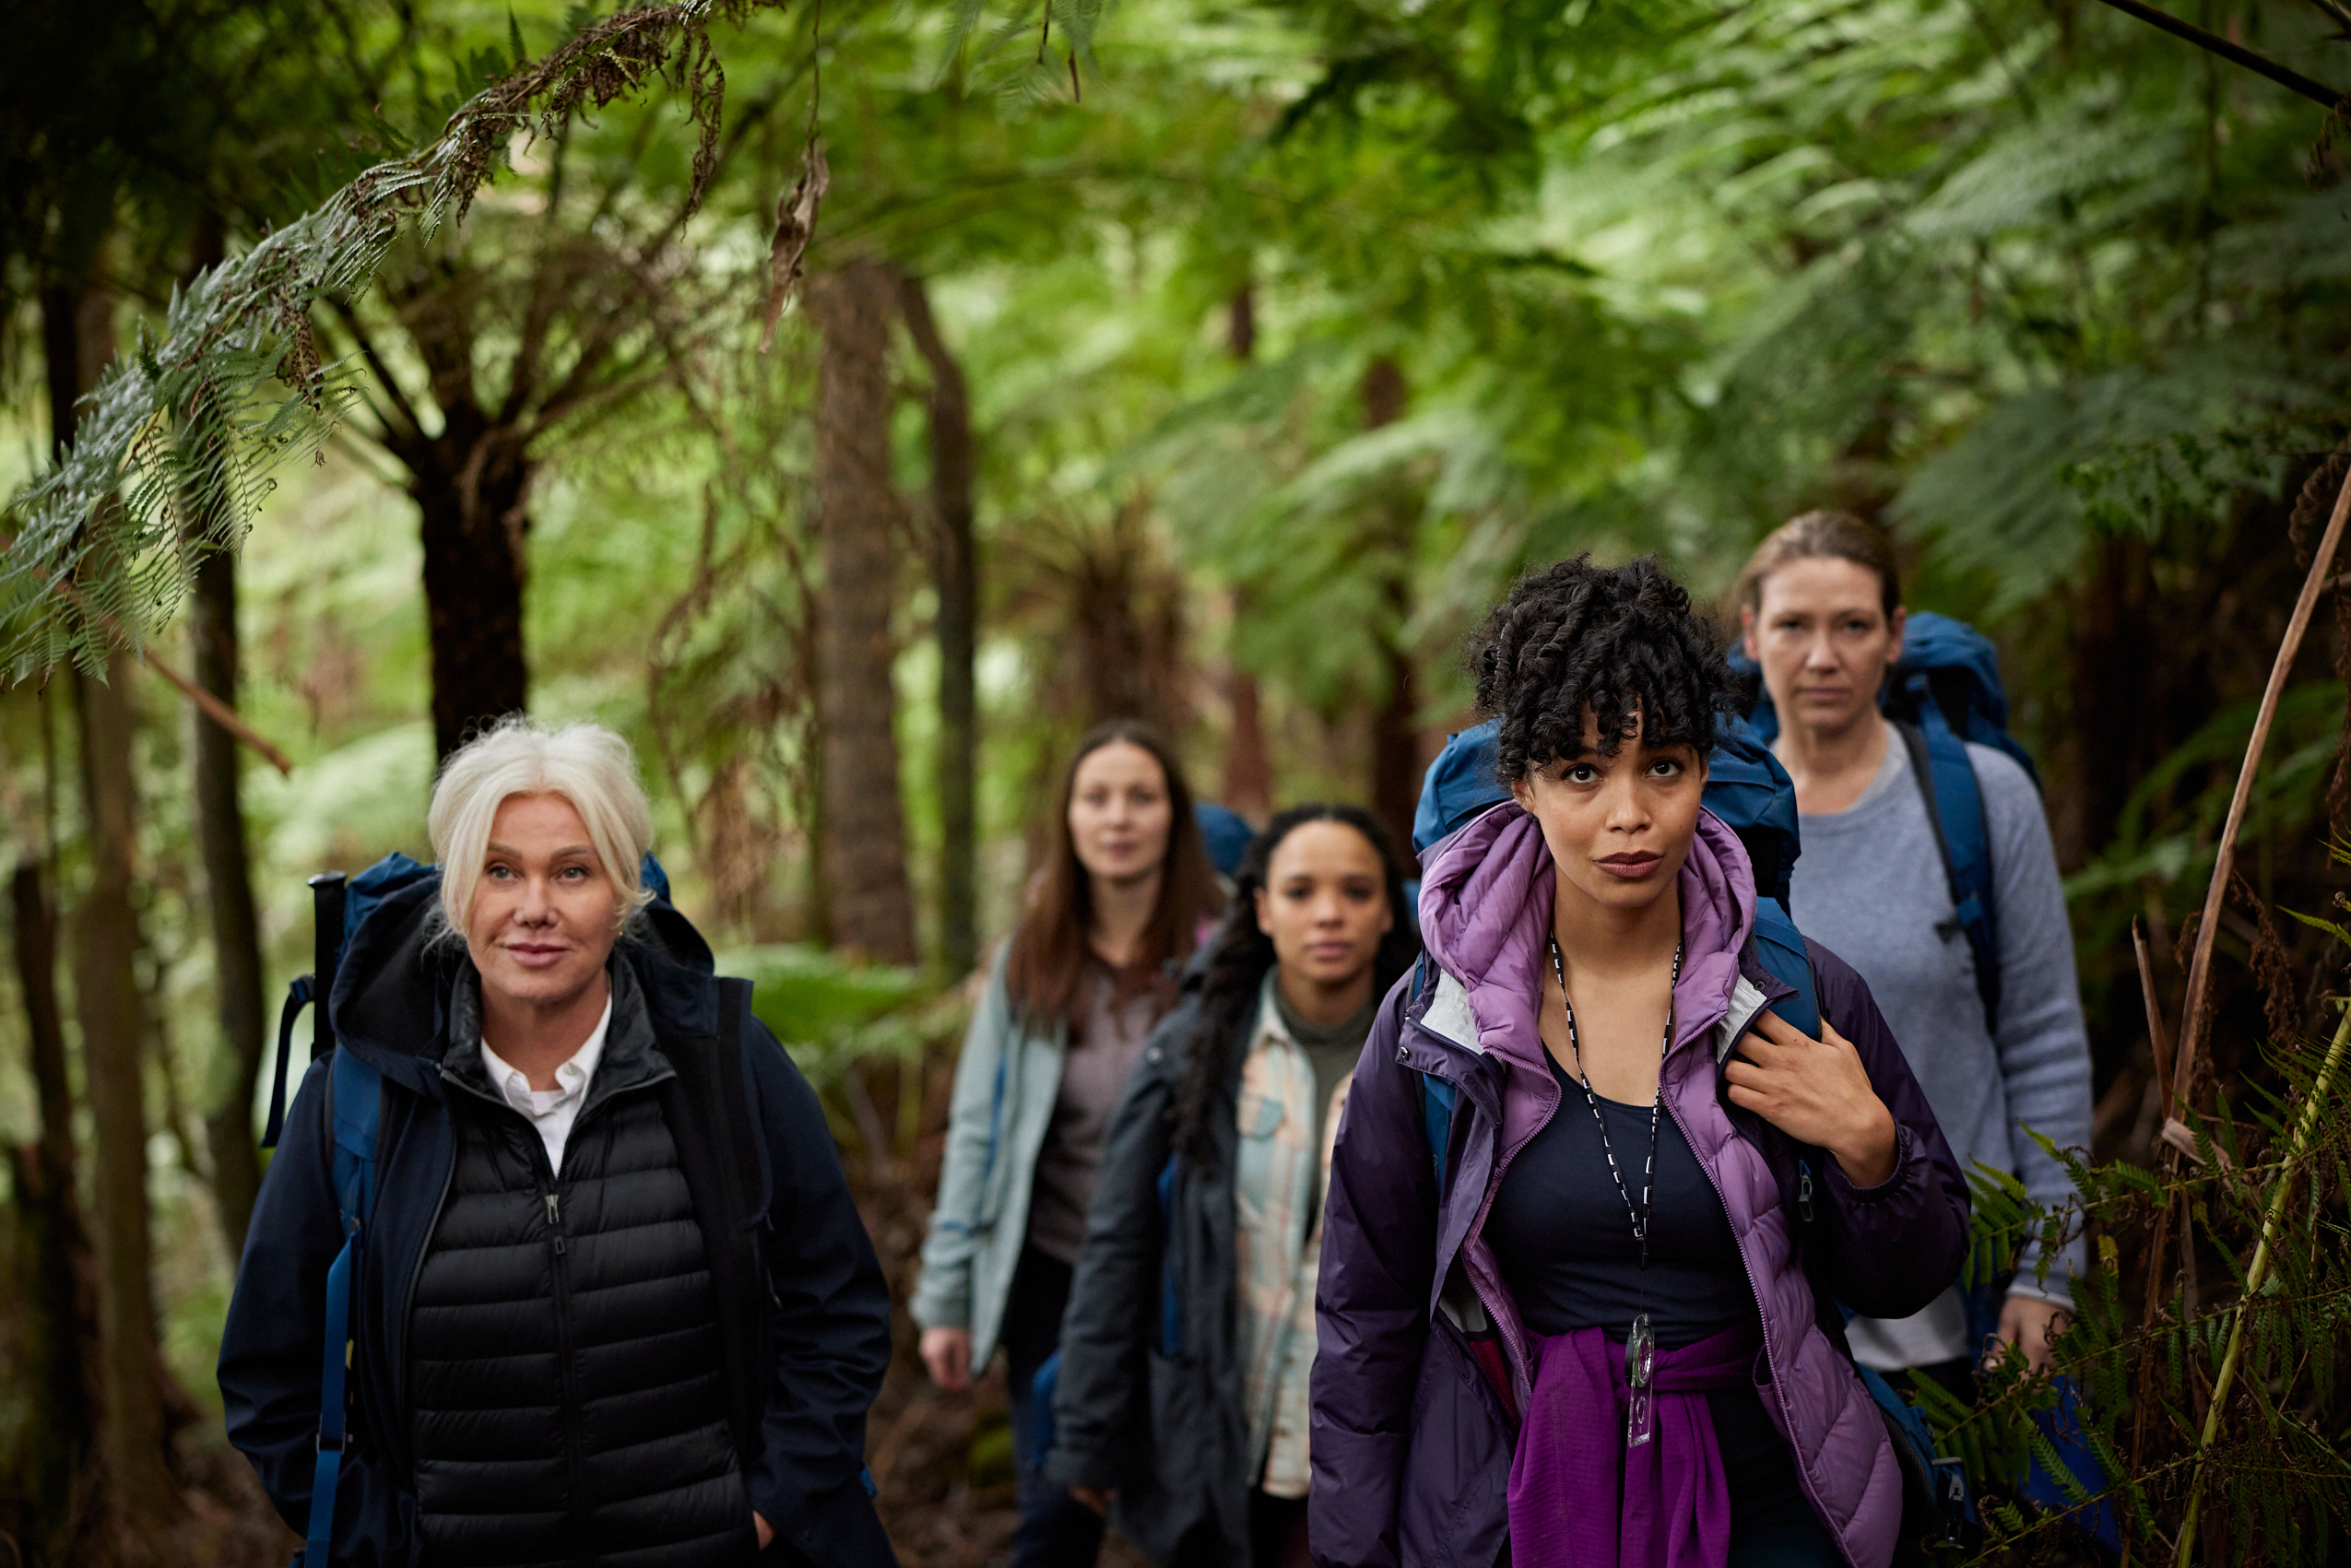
x=1780, y=948
x=1438, y=1096
x=707, y=1104
x=353, y=1107
x=1946, y=780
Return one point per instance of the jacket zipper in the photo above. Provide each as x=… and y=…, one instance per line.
x=1521, y=1395
x=575, y=1460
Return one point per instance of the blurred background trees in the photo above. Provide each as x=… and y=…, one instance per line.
x=1212, y=365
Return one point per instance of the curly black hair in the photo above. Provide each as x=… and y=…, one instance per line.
x=1237, y=959
x=1606, y=638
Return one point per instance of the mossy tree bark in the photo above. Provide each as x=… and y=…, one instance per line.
x=54, y=1276
x=236, y=942
x=869, y=906
x=1395, y=739
x=955, y=576
x=78, y=333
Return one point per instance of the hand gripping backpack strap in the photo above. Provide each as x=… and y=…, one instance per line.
x=1955, y=803
x=354, y=1102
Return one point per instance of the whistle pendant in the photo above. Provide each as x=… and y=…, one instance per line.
x=1640, y=1365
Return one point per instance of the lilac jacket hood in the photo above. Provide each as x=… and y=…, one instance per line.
x=1423, y=1362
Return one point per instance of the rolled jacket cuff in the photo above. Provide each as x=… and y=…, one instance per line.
x=940, y=1311
x=1905, y=1152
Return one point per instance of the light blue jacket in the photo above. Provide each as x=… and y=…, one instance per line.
x=1006, y=1083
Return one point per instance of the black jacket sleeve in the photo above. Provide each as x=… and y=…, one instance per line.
x=1892, y=1248
x=830, y=1330
x=1378, y=1262
x=273, y=1347
x=1114, y=1293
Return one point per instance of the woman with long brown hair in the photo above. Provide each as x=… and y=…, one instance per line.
x=1126, y=893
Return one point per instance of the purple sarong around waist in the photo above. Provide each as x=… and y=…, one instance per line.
x=1579, y=1497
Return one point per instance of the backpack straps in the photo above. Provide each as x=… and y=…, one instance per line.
x=1954, y=804
x=354, y=1105
x=1780, y=948
x=707, y=1105
x=1438, y=1095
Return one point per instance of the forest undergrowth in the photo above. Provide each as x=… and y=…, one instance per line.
x=2203, y=1368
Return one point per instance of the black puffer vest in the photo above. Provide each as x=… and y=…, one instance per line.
x=567, y=1398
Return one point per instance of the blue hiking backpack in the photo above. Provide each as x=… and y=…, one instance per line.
x=1943, y=693
x=354, y=1098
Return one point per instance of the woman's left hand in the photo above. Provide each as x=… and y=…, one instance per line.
x=1818, y=1092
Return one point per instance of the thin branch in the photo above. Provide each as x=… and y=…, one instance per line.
x=2200, y=967
x=349, y=317
x=2156, y=1042
x=2260, y=64
x=216, y=710
x=556, y=410
x=219, y=713
x=2259, y=1272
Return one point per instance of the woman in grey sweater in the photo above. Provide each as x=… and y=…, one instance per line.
x=1821, y=612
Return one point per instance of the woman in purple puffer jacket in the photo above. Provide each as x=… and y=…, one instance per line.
x=1602, y=1327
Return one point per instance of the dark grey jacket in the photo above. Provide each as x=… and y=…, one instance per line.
x=1149, y=1395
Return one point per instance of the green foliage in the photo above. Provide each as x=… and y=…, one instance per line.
x=236, y=365
x=2147, y=1359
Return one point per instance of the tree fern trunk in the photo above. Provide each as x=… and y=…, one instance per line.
x=236, y=943
x=955, y=574
x=1248, y=761
x=54, y=1273
x=1396, y=745
x=79, y=334
x=107, y=998
x=473, y=581
x=871, y=907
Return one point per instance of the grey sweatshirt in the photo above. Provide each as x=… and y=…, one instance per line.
x=1870, y=886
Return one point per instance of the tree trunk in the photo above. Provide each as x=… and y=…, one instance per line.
x=955, y=571
x=106, y=998
x=472, y=492
x=78, y=335
x=55, y=1277
x=236, y=943
x=1249, y=763
x=1395, y=742
x=872, y=909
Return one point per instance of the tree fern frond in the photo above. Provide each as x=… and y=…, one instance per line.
x=240, y=335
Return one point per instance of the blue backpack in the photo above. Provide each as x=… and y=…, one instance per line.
x=1945, y=692
x=354, y=1098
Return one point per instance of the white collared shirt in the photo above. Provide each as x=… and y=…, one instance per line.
x=552, y=1111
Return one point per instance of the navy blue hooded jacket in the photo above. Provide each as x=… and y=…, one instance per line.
x=805, y=1310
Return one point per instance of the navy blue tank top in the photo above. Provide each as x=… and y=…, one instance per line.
x=1560, y=1232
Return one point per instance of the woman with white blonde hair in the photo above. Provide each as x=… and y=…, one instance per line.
x=614, y=1303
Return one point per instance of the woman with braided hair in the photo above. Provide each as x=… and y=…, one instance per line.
x=1589, y=1314
x=1181, y=1399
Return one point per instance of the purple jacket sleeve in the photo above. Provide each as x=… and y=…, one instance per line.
x=1378, y=1251
x=1891, y=1249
